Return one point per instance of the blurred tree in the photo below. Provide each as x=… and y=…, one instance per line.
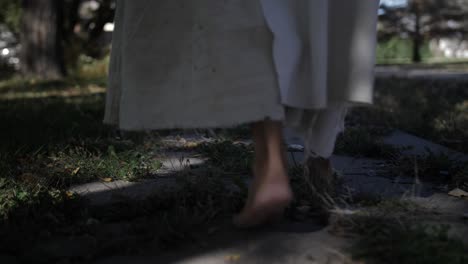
x=10, y=13
x=84, y=26
x=421, y=20
x=53, y=33
x=93, y=24
x=41, y=39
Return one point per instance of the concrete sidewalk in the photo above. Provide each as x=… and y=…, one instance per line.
x=420, y=73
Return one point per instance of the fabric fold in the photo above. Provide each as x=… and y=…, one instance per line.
x=324, y=54
x=211, y=63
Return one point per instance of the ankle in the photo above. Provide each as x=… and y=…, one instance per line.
x=276, y=177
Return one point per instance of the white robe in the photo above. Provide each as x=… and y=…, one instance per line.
x=324, y=53
x=324, y=50
x=211, y=63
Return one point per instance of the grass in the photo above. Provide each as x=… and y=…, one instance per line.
x=432, y=167
x=395, y=242
x=398, y=50
x=159, y=222
x=62, y=134
x=435, y=110
x=52, y=137
x=444, y=64
x=460, y=179
x=228, y=157
x=395, y=231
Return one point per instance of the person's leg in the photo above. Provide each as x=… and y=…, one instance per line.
x=320, y=143
x=260, y=147
x=270, y=191
x=260, y=151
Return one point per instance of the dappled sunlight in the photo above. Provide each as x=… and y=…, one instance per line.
x=75, y=91
x=89, y=68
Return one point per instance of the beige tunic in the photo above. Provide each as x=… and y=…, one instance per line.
x=211, y=63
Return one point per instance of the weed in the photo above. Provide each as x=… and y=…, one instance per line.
x=390, y=241
x=460, y=178
x=227, y=156
x=435, y=110
x=433, y=167
x=393, y=231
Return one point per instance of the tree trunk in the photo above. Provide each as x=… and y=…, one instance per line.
x=41, y=39
x=71, y=11
x=105, y=13
x=417, y=38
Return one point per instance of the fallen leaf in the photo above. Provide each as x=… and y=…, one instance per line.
x=457, y=192
x=234, y=257
x=191, y=145
x=28, y=178
x=92, y=221
x=182, y=141
x=70, y=194
x=75, y=171
x=107, y=180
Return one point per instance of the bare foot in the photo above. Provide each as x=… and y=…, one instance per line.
x=269, y=195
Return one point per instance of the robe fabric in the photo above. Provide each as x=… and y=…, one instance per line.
x=211, y=63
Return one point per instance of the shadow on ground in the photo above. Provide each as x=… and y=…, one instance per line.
x=185, y=219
